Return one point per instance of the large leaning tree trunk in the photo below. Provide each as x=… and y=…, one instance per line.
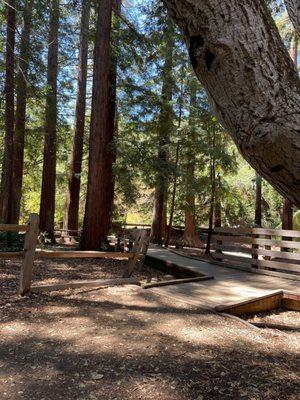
x=165, y=125
x=7, y=167
x=191, y=237
x=287, y=209
x=293, y=9
x=21, y=94
x=72, y=202
x=98, y=207
x=47, y=205
x=238, y=55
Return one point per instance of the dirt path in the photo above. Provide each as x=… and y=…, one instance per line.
x=127, y=343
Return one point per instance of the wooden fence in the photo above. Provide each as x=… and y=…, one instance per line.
x=268, y=251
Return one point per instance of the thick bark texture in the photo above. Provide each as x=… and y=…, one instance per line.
x=164, y=128
x=293, y=9
x=98, y=207
x=238, y=55
x=7, y=169
x=191, y=237
x=258, y=200
x=47, y=205
x=72, y=203
x=287, y=209
x=21, y=92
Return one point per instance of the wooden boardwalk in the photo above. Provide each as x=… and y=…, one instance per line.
x=228, y=286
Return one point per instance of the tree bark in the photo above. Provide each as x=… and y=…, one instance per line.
x=21, y=94
x=287, y=209
x=164, y=130
x=212, y=167
x=191, y=238
x=98, y=207
x=172, y=206
x=47, y=204
x=218, y=208
x=258, y=198
x=293, y=9
x=72, y=203
x=7, y=169
x=238, y=55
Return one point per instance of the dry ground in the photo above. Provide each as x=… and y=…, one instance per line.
x=127, y=343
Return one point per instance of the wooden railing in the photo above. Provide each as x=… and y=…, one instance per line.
x=268, y=251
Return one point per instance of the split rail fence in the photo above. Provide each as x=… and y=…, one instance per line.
x=267, y=251
x=30, y=253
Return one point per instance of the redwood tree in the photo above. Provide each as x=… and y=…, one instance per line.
x=21, y=94
x=72, y=203
x=191, y=237
x=7, y=168
x=164, y=130
x=238, y=55
x=47, y=205
x=98, y=207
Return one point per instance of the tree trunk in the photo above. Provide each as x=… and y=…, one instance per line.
x=258, y=198
x=164, y=129
x=47, y=205
x=172, y=206
x=287, y=209
x=7, y=169
x=251, y=81
x=113, y=115
x=191, y=238
x=218, y=208
x=21, y=94
x=293, y=9
x=98, y=207
x=212, y=142
x=72, y=203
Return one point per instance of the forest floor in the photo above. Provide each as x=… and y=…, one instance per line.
x=126, y=343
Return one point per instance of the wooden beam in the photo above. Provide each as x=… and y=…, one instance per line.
x=81, y=254
x=11, y=254
x=31, y=239
x=276, y=232
x=277, y=254
x=277, y=243
x=101, y=283
x=13, y=228
x=175, y=281
x=281, y=265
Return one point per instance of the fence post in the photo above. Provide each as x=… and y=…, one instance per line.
x=253, y=255
x=31, y=238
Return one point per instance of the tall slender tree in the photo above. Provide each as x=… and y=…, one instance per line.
x=7, y=169
x=72, y=203
x=47, y=204
x=165, y=125
x=21, y=95
x=258, y=200
x=98, y=209
x=191, y=237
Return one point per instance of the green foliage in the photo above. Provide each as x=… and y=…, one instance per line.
x=11, y=241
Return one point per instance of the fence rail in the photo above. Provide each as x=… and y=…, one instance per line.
x=271, y=251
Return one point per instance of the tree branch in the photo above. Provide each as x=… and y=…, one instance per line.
x=293, y=9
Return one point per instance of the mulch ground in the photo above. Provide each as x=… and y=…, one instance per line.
x=126, y=343
x=281, y=316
